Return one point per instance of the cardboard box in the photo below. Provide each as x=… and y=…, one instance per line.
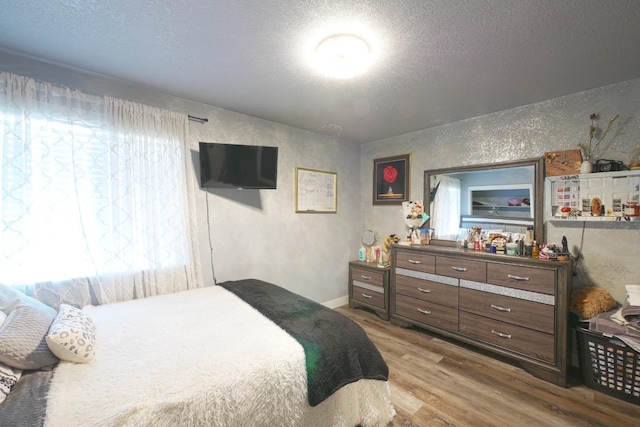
x=567, y=162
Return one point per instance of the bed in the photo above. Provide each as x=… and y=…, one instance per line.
x=243, y=353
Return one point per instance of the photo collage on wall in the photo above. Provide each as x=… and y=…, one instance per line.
x=567, y=193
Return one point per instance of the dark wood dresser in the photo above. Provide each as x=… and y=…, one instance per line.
x=513, y=306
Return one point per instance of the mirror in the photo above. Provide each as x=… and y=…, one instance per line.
x=497, y=196
x=368, y=238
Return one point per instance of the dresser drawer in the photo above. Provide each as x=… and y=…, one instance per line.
x=511, y=337
x=370, y=277
x=415, y=261
x=426, y=312
x=462, y=268
x=427, y=290
x=529, y=314
x=367, y=296
x=521, y=277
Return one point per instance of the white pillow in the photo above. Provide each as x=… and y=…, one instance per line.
x=72, y=335
x=8, y=375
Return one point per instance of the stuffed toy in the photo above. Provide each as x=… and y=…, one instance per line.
x=386, y=246
x=590, y=301
x=414, y=217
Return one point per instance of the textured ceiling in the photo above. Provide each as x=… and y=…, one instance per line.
x=437, y=61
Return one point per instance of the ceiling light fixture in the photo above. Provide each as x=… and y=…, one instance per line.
x=342, y=56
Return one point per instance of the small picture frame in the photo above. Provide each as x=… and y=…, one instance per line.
x=391, y=180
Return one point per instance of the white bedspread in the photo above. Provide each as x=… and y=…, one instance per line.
x=199, y=358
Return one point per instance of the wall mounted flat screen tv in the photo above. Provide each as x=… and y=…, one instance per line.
x=238, y=166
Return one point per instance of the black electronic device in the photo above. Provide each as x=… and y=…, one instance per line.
x=603, y=165
x=238, y=166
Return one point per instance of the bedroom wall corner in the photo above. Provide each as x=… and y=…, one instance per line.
x=519, y=133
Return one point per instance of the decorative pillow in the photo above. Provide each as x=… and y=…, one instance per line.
x=72, y=335
x=10, y=298
x=8, y=378
x=22, y=339
x=8, y=375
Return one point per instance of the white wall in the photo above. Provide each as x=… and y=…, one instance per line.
x=257, y=234
x=609, y=250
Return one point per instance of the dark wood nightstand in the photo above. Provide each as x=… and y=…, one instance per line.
x=369, y=287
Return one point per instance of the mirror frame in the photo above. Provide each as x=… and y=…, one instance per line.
x=538, y=190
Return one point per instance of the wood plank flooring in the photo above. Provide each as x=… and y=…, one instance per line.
x=435, y=381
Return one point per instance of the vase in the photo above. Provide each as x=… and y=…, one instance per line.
x=586, y=167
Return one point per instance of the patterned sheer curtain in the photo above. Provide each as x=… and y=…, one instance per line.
x=446, y=214
x=97, y=196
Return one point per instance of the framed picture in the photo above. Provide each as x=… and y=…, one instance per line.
x=391, y=180
x=316, y=191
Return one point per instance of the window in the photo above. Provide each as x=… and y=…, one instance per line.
x=446, y=215
x=91, y=186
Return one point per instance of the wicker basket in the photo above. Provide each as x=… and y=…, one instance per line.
x=609, y=365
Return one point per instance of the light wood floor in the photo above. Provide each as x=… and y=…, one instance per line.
x=439, y=382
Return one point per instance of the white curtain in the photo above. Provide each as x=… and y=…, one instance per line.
x=446, y=208
x=97, y=196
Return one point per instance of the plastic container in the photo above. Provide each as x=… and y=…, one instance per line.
x=534, y=250
x=609, y=365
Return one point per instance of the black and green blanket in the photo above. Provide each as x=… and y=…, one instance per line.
x=338, y=351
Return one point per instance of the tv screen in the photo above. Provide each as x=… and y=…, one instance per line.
x=238, y=166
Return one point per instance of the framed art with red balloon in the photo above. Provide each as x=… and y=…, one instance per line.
x=391, y=180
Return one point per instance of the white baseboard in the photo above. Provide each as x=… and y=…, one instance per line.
x=338, y=302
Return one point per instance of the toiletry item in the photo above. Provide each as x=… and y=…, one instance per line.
x=632, y=208
x=424, y=236
x=371, y=256
x=415, y=237
x=528, y=237
x=528, y=242
x=512, y=249
x=534, y=250
x=362, y=255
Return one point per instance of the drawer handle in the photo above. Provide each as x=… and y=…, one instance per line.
x=413, y=261
x=500, y=334
x=453, y=267
x=367, y=296
x=511, y=276
x=366, y=277
x=424, y=291
x=497, y=307
x=423, y=311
